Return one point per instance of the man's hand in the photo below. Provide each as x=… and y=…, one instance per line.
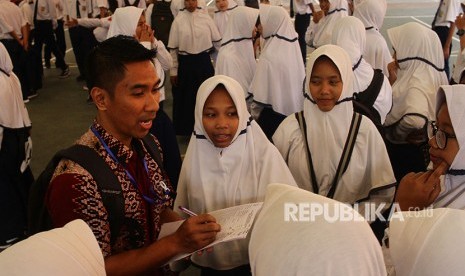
x=419, y=190
x=72, y=23
x=196, y=232
x=145, y=33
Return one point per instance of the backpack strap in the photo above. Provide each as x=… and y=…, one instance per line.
x=369, y=96
x=152, y=149
x=107, y=183
x=346, y=153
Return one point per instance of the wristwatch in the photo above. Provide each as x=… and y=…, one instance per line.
x=460, y=32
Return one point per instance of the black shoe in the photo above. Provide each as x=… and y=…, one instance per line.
x=64, y=73
x=33, y=94
x=47, y=64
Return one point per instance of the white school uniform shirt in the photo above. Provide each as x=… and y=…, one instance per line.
x=319, y=34
x=11, y=20
x=86, y=8
x=70, y=250
x=141, y=5
x=192, y=33
x=428, y=242
x=369, y=175
x=124, y=22
x=302, y=6
x=46, y=10
x=349, y=33
x=13, y=112
x=214, y=178
x=313, y=247
x=177, y=6
x=447, y=12
x=420, y=56
x=280, y=70
x=221, y=17
x=27, y=8
x=376, y=52
x=236, y=57
x=453, y=182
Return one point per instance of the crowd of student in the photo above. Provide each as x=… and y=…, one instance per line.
x=350, y=126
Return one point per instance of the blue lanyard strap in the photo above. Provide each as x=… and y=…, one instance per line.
x=128, y=174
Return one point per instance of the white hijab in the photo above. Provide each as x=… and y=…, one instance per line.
x=319, y=247
x=193, y=32
x=428, y=242
x=13, y=112
x=280, y=69
x=349, y=33
x=369, y=167
x=124, y=22
x=215, y=178
x=323, y=29
x=236, y=57
x=221, y=18
x=421, y=60
x=376, y=51
x=71, y=250
x=453, y=185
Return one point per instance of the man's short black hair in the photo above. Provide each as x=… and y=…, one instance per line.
x=106, y=62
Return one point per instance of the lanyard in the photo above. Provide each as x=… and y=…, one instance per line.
x=150, y=200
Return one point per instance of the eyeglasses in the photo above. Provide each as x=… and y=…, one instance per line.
x=440, y=135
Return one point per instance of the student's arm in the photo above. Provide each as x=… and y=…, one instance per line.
x=460, y=24
x=446, y=48
x=195, y=233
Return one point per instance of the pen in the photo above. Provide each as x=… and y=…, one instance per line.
x=187, y=211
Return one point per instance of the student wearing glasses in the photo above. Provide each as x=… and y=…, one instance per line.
x=442, y=185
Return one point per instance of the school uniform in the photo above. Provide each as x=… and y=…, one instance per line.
x=445, y=15
x=193, y=37
x=215, y=178
x=302, y=21
x=318, y=246
x=133, y=3
x=277, y=84
x=453, y=182
x=221, y=17
x=59, y=31
x=349, y=33
x=368, y=177
x=420, y=57
x=236, y=57
x=15, y=154
x=376, y=51
x=177, y=6
x=319, y=34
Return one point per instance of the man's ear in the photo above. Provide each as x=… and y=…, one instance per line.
x=100, y=97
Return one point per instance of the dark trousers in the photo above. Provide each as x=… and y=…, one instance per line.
x=19, y=59
x=44, y=34
x=301, y=24
x=60, y=38
x=82, y=40
x=34, y=68
x=443, y=32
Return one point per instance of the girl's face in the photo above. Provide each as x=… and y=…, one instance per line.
x=140, y=24
x=325, y=83
x=222, y=5
x=190, y=5
x=447, y=155
x=324, y=6
x=220, y=119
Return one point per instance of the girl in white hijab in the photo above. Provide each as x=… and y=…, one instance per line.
x=222, y=13
x=70, y=250
x=277, y=83
x=320, y=28
x=15, y=154
x=376, y=51
x=349, y=33
x=236, y=57
x=428, y=242
x=419, y=66
x=226, y=165
x=328, y=118
x=315, y=246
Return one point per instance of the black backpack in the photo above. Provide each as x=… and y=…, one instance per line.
x=108, y=185
x=161, y=20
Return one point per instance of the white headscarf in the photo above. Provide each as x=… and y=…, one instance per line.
x=71, y=250
x=221, y=18
x=349, y=33
x=318, y=247
x=236, y=57
x=280, y=69
x=193, y=32
x=453, y=186
x=13, y=112
x=376, y=51
x=420, y=56
x=323, y=29
x=214, y=178
x=428, y=242
x=459, y=67
x=369, y=167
